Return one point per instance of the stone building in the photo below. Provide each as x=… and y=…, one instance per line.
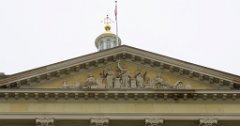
x=120, y=86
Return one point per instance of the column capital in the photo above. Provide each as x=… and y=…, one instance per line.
x=99, y=122
x=208, y=122
x=153, y=122
x=44, y=122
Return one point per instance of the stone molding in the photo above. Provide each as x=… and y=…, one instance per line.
x=120, y=94
x=44, y=122
x=99, y=122
x=208, y=122
x=153, y=122
x=120, y=116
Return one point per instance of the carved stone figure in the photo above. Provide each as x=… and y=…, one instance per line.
x=124, y=76
x=65, y=85
x=140, y=80
x=148, y=83
x=100, y=83
x=133, y=83
x=109, y=77
x=179, y=85
x=158, y=82
x=117, y=83
x=91, y=82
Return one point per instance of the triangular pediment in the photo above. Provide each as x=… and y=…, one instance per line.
x=123, y=67
x=123, y=75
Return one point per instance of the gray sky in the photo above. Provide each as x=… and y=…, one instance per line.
x=35, y=33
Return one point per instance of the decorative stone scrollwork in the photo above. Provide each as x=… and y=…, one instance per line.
x=153, y=122
x=44, y=122
x=99, y=122
x=208, y=122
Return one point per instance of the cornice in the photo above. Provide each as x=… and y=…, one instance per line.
x=63, y=65
x=120, y=94
x=182, y=64
x=121, y=116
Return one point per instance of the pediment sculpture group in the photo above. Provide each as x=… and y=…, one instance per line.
x=122, y=80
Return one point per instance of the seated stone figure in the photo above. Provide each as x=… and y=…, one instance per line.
x=91, y=82
x=179, y=85
x=140, y=79
x=159, y=83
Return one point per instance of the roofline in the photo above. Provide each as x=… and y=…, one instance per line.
x=184, y=61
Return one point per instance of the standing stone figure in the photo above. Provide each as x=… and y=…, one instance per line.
x=99, y=81
x=124, y=76
x=109, y=78
x=65, y=85
x=133, y=83
x=140, y=80
x=117, y=83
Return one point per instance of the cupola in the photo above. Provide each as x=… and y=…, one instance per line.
x=107, y=39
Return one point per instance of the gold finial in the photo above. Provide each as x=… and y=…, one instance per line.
x=107, y=22
x=107, y=27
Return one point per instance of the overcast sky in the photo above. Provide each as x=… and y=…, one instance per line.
x=36, y=33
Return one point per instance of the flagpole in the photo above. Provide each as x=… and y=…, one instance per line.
x=116, y=22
